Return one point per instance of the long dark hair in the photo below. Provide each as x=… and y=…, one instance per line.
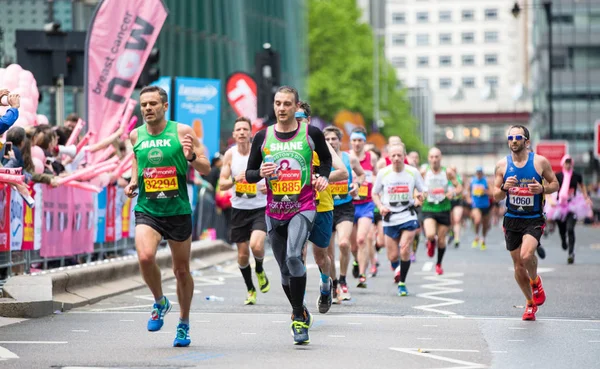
x=26, y=153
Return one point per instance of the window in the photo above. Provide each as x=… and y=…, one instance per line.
x=445, y=61
x=422, y=61
x=468, y=82
x=399, y=39
x=422, y=17
x=468, y=15
x=562, y=19
x=423, y=82
x=491, y=36
x=445, y=38
x=468, y=60
x=445, y=82
x=445, y=16
x=468, y=37
x=492, y=81
x=399, y=62
x=491, y=14
x=422, y=39
x=398, y=18
x=491, y=59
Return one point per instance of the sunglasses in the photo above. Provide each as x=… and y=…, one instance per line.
x=516, y=137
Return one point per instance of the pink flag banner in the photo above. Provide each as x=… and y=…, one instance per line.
x=119, y=40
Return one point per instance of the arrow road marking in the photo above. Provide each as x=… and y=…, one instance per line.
x=6, y=354
x=441, y=287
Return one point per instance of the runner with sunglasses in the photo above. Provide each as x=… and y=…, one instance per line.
x=518, y=178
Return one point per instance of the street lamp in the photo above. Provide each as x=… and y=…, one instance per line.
x=516, y=10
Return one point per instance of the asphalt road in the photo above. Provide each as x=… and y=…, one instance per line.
x=468, y=318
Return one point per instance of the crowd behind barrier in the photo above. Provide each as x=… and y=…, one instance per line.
x=69, y=226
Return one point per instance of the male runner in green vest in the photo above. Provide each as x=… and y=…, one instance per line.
x=163, y=150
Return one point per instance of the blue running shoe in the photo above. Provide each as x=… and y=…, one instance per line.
x=402, y=291
x=183, y=336
x=158, y=315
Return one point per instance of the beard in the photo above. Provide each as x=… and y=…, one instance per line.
x=518, y=149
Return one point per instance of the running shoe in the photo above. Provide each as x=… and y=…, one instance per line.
x=335, y=295
x=182, y=339
x=413, y=257
x=475, y=243
x=263, y=282
x=157, y=316
x=438, y=269
x=564, y=245
x=344, y=293
x=374, y=270
x=456, y=244
x=430, y=248
x=251, y=300
x=530, y=311
x=571, y=259
x=541, y=252
x=355, y=271
x=483, y=247
x=325, y=299
x=397, y=275
x=539, y=295
x=402, y=291
x=362, y=281
x=300, y=326
x=450, y=236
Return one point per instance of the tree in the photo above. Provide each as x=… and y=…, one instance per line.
x=341, y=70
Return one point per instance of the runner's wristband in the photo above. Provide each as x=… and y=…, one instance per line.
x=502, y=188
x=193, y=158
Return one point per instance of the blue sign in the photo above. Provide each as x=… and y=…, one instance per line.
x=165, y=84
x=101, y=216
x=198, y=104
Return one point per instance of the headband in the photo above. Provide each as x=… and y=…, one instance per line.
x=358, y=136
x=301, y=115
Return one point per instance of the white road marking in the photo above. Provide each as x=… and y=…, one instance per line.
x=441, y=287
x=517, y=328
x=36, y=342
x=151, y=298
x=6, y=354
x=539, y=270
x=499, y=352
x=427, y=266
x=80, y=330
x=336, y=336
x=354, y=323
x=426, y=353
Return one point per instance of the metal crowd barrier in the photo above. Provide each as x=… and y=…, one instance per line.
x=206, y=217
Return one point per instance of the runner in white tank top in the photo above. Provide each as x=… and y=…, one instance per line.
x=248, y=228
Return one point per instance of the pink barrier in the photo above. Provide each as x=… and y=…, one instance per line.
x=13, y=171
x=12, y=178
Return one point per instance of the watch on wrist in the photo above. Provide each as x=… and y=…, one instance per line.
x=502, y=188
x=193, y=158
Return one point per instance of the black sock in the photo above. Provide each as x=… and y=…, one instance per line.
x=247, y=274
x=342, y=279
x=297, y=289
x=404, y=266
x=288, y=293
x=441, y=255
x=259, y=261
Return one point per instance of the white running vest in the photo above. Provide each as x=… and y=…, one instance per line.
x=246, y=196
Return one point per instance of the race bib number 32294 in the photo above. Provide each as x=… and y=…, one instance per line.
x=161, y=182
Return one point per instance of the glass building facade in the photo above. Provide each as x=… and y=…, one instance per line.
x=575, y=73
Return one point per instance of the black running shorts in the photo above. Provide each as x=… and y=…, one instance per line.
x=516, y=228
x=244, y=222
x=343, y=213
x=177, y=227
